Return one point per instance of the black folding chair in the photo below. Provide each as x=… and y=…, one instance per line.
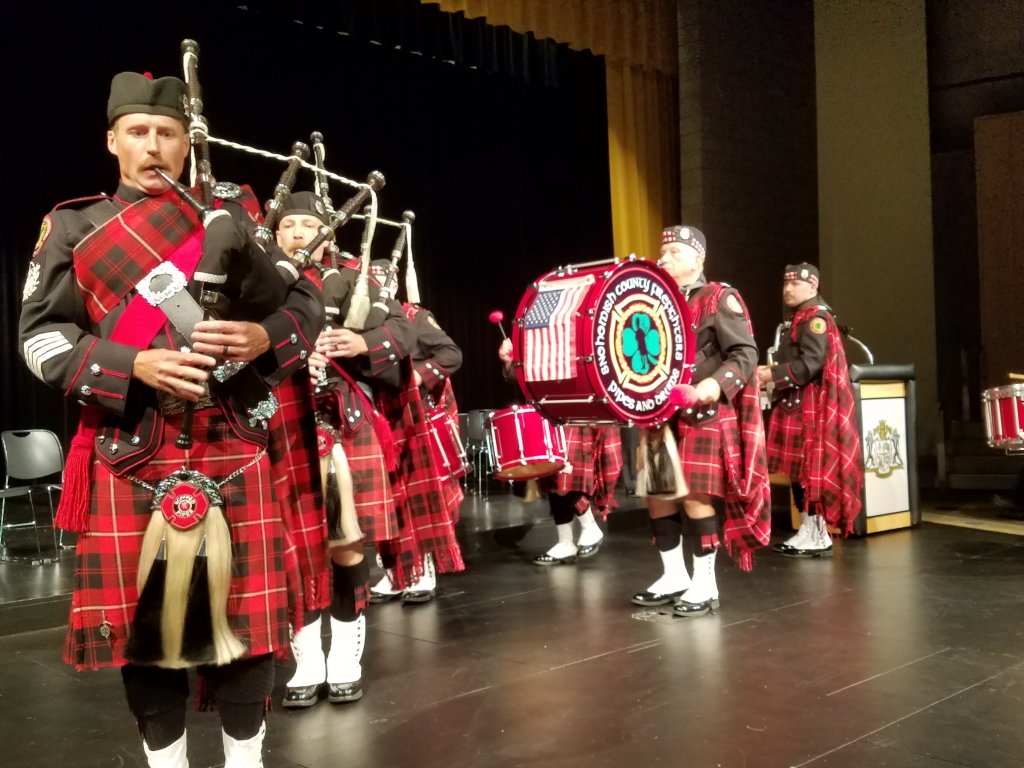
x=480, y=448
x=31, y=457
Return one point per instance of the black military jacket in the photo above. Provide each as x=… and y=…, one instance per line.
x=798, y=362
x=435, y=356
x=388, y=342
x=65, y=348
x=726, y=351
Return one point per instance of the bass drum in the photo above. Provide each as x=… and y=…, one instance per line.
x=603, y=343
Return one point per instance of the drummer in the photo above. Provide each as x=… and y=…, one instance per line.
x=721, y=444
x=586, y=485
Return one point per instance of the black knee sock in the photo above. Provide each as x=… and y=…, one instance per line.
x=667, y=531
x=562, y=510
x=156, y=697
x=242, y=690
x=347, y=578
x=799, y=497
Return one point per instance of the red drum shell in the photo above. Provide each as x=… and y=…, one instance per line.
x=606, y=348
x=525, y=445
x=1003, y=408
x=446, y=446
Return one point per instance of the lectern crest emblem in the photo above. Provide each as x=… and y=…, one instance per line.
x=882, y=450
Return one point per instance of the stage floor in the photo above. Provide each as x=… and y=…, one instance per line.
x=904, y=649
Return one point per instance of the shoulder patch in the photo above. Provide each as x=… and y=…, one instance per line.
x=817, y=325
x=44, y=232
x=733, y=304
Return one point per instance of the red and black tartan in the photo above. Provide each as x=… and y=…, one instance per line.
x=426, y=523
x=373, y=487
x=818, y=444
x=111, y=260
x=296, y=467
x=594, y=462
x=723, y=454
x=105, y=596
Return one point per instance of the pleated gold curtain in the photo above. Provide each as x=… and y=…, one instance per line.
x=639, y=43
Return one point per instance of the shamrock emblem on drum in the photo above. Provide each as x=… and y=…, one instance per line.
x=641, y=343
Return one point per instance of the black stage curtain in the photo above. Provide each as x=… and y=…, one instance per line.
x=496, y=140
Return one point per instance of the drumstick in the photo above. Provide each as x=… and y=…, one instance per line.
x=1017, y=377
x=496, y=317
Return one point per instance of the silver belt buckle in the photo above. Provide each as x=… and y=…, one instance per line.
x=162, y=282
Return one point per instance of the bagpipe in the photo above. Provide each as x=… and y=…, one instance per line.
x=185, y=570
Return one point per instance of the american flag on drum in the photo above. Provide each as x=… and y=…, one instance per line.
x=549, y=331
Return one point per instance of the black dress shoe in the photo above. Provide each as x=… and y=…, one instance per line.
x=300, y=697
x=693, y=610
x=339, y=693
x=807, y=553
x=383, y=597
x=547, y=559
x=782, y=548
x=418, y=596
x=589, y=550
x=654, y=598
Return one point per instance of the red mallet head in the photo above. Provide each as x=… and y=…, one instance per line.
x=496, y=317
x=683, y=396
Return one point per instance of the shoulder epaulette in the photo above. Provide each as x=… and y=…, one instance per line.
x=82, y=202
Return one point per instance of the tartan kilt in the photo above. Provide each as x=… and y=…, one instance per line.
x=594, y=455
x=702, y=448
x=371, y=482
x=427, y=526
x=296, y=464
x=786, y=441
x=105, y=594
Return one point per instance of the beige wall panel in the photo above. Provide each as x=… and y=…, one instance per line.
x=874, y=184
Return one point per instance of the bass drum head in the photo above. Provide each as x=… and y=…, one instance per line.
x=642, y=342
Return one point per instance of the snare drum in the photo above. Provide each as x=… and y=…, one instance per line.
x=603, y=343
x=1004, y=417
x=525, y=445
x=445, y=445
